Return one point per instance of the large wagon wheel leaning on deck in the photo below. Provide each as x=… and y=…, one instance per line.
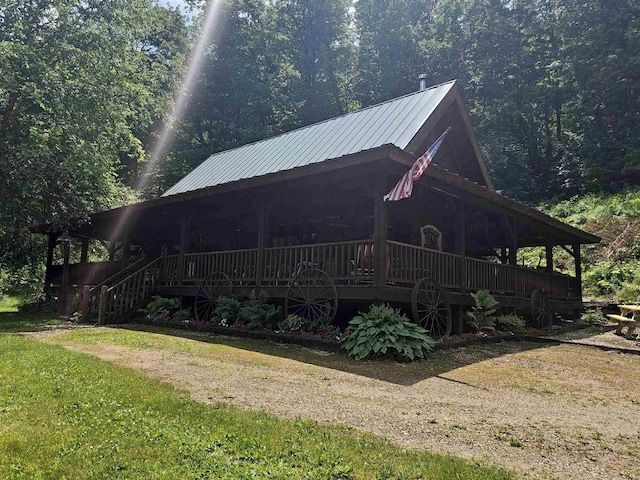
x=540, y=308
x=213, y=286
x=312, y=295
x=430, y=307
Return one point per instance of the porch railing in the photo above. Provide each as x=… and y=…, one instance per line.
x=238, y=265
x=352, y=263
x=342, y=261
x=409, y=263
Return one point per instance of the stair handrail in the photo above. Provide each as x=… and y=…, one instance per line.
x=104, y=291
x=117, y=274
x=88, y=291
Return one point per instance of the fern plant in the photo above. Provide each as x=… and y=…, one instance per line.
x=227, y=311
x=384, y=330
x=257, y=313
x=511, y=323
x=481, y=317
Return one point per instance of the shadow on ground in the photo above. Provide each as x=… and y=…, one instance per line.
x=436, y=363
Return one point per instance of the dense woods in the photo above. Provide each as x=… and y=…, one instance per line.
x=552, y=87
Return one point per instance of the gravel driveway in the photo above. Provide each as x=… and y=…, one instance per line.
x=547, y=411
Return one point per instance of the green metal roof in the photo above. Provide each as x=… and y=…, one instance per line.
x=395, y=122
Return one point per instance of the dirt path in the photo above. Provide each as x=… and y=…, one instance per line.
x=546, y=411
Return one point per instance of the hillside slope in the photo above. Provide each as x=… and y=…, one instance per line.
x=611, y=269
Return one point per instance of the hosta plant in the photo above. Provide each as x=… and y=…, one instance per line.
x=161, y=309
x=384, y=330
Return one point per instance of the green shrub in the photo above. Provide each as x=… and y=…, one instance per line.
x=161, y=309
x=384, y=330
x=227, y=311
x=183, y=315
x=257, y=313
x=510, y=323
x=593, y=318
x=297, y=324
x=608, y=278
x=481, y=317
x=293, y=324
x=629, y=293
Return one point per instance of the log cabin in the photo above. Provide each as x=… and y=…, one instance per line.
x=300, y=218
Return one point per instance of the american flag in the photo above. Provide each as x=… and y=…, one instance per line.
x=404, y=187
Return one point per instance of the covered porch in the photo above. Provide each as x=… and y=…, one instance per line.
x=451, y=237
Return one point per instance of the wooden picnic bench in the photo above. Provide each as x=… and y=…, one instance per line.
x=629, y=316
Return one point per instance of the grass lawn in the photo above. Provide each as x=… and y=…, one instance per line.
x=11, y=319
x=70, y=415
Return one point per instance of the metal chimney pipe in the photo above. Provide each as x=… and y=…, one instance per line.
x=423, y=81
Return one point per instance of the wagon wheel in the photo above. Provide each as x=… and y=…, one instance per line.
x=540, y=308
x=312, y=295
x=430, y=308
x=210, y=289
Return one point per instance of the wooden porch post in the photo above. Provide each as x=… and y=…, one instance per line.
x=549, y=255
x=261, y=211
x=380, y=218
x=62, y=310
x=126, y=249
x=513, y=247
x=50, y=248
x=84, y=252
x=578, y=264
x=461, y=244
x=185, y=223
x=112, y=249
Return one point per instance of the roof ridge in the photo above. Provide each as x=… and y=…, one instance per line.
x=331, y=118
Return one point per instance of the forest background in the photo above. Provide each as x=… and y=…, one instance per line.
x=87, y=89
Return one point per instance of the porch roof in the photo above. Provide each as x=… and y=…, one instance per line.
x=395, y=160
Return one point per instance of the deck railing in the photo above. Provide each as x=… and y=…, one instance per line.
x=409, y=263
x=347, y=263
x=342, y=261
x=238, y=265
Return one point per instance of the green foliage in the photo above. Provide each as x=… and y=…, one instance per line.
x=607, y=278
x=82, y=86
x=606, y=273
x=481, y=317
x=510, y=323
x=227, y=311
x=111, y=422
x=293, y=323
x=383, y=330
x=593, y=317
x=257, y=313
x=629, y=293
x=297, y=324
x=161, y=309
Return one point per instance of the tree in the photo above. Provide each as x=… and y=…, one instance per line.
x=388, y=48
x=82, y=84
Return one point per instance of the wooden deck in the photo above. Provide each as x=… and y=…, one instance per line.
x=349, y=266
x=352, y=264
